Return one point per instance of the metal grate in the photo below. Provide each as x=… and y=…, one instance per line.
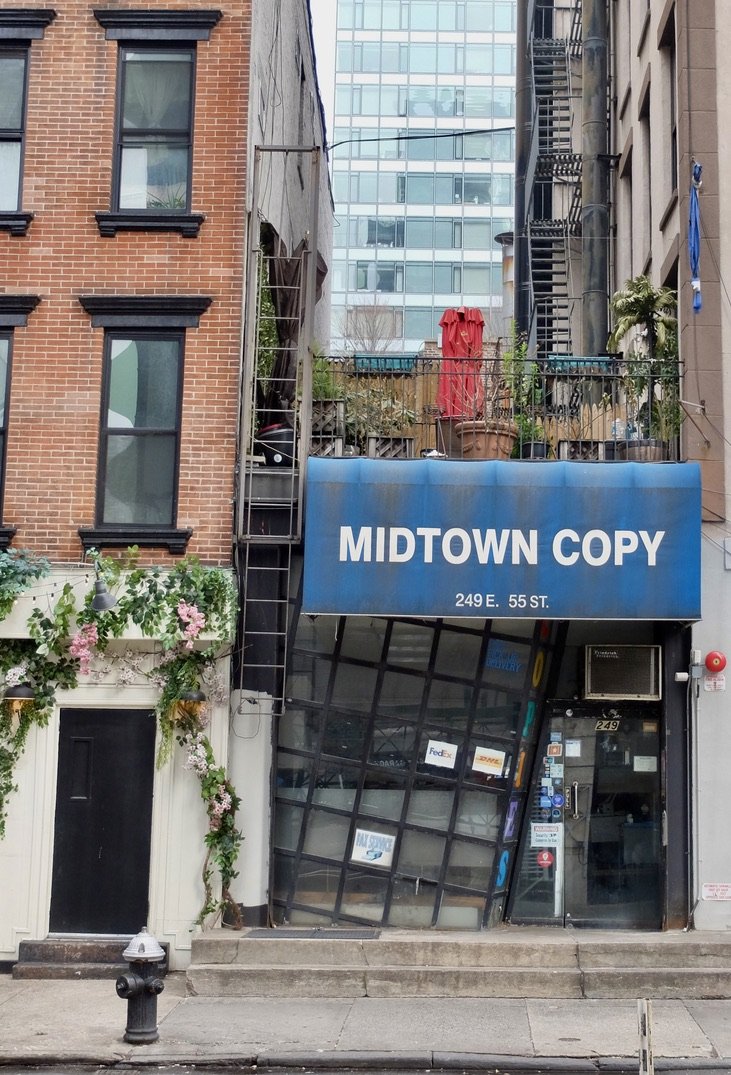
x=314, y=934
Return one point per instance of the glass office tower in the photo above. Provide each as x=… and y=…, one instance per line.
x=423, y=166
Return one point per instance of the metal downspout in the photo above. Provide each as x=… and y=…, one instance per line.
x=595, y=178
x=522, y=154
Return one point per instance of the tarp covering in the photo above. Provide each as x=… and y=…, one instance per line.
x=503, y=539
x=694, y=236
x=460, y=388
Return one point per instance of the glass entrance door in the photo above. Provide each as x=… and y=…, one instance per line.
x=591, y=851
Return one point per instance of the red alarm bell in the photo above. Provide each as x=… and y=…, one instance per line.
x=715, y=661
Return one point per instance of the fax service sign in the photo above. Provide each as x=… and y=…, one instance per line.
x=503, y=539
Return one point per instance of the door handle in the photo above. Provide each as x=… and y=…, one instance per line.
x=573, y=799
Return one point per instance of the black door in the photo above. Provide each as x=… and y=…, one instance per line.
x=592, y=848
x=101, y=858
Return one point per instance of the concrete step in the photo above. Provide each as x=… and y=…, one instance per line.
x=402, y=981
x=109, y=971
x=386, y=952
x=657, y=983
x=502, y=963
x=66, y=957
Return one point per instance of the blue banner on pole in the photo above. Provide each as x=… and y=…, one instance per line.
x=503, y=539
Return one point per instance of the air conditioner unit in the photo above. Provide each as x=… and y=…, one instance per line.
x=629, y=672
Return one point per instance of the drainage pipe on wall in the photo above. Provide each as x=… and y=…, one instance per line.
x=595, y=178
x=522, y=153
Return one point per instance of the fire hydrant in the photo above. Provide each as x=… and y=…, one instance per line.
x=140, y=988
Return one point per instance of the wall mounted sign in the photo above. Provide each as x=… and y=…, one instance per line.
x=715, y=681
x=719, y=890
x=559, y=540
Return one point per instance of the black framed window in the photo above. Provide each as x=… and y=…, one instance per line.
x=14, y=313
x=151, y=189
x=5, y=351
x=19, y=27
x=140, y=429
x=154, y=129
x=13, y=84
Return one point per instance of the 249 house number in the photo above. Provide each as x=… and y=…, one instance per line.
x=488, y=600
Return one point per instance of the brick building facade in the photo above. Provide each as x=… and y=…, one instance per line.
x=126, y=135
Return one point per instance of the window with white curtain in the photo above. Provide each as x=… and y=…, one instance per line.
x=140, y=428
x=155, y=128
x=13, y=64
x=5, y=338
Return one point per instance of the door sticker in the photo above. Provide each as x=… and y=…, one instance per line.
x=489, y=761
x=644, y=764
x=544, y=835
x=443, y=754
x=375, y=848
x=545, y=859
x=573, y=748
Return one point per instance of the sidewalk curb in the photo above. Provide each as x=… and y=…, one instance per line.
x=384, y=1061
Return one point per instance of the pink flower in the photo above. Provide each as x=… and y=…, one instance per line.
x=194, y=619
x=81, y=646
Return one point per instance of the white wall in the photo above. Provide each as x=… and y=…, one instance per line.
x=179, y=821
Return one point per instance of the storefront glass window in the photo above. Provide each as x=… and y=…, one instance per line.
x=326, y=834
x=354, y=687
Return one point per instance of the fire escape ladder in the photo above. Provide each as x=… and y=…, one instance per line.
x=555, y=195
x=549, y=272
x=280, y=296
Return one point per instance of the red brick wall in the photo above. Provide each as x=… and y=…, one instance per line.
x=54, y=408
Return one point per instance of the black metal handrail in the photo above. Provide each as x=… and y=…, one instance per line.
x=601, y=408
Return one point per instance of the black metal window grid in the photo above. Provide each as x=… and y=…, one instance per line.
x=368, y=703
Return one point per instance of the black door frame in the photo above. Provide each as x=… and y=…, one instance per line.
x=103, y=821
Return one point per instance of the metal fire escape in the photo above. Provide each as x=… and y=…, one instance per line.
x=553, y=182
x=274, y=434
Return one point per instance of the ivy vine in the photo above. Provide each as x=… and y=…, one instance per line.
x=174, y=607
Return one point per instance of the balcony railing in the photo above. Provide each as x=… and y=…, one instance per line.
x=566, y=407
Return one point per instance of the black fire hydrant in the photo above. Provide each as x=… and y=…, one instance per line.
x=140, y=988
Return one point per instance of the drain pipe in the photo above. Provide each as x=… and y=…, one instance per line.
x=595, y=178
x=522, y=154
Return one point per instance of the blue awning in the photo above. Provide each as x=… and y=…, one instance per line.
x=558, y=540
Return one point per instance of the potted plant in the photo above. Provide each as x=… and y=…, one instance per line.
x=651, y=372
x=523, y=380
x=489, y=432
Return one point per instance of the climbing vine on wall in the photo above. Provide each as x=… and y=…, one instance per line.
x=177, y=607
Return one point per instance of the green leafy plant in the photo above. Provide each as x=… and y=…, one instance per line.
x=522, y=377
x=651, y=375
x=223, y=838
x=18, y=569
x=521, y=374
x=324, y=382
x=376, y=405
x=174, y=198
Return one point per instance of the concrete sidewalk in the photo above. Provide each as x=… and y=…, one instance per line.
x=82, y=1022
